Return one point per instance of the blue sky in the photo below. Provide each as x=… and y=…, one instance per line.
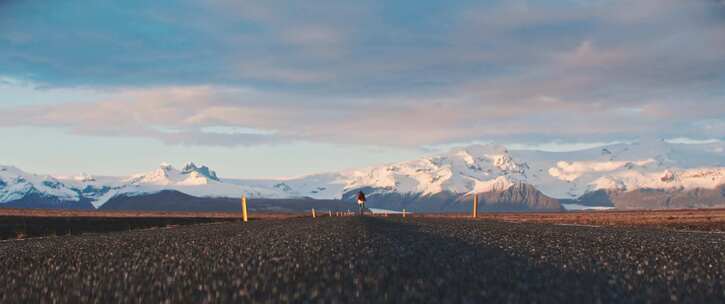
x=284, y=88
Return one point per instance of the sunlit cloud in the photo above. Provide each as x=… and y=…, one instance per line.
x=370, y=73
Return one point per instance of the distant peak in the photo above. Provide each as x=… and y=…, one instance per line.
x=190, y=166
x=84, y=177
x=166, y=166
x=203, y=170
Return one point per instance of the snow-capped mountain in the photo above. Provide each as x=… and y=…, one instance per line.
x=19, y=189
x=571, y=177
x=640, y=175
x=437, y=183
x=462, y=170
x=191, y=179
x=15, y=185
x=626, y=167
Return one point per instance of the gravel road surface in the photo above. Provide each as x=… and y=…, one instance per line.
x=367, y=260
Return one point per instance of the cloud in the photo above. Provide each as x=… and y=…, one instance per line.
x=230, y=116
x=371, y=72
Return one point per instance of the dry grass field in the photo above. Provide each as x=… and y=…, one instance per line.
x=5, y=212
x=24, y=223
x=683, y=219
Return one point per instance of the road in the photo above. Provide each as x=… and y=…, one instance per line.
x=367, y=260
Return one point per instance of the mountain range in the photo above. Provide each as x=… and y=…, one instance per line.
x=643, y=175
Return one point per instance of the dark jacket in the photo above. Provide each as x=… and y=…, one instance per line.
x=361, y=196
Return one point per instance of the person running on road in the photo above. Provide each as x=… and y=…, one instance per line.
x=361, y=202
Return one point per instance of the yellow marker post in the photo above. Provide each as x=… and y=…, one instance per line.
x=244, y=208
x=313, y=213
x=475, y=205
x=403, y=212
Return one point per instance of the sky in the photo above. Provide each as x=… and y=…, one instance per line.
x=286, y=88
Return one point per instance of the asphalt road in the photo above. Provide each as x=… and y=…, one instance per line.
x=367, y=260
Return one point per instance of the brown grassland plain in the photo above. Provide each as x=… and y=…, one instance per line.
x=5, y=212
x=681, y=219
x=22, y=223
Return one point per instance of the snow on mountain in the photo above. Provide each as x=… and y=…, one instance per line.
x=84, y=177
x=193, y=180
x=472, y=169
x=16, y=184
x=706, y=178
x=317, y=186
x=486, y=168
x=167, y=175
x=462, y=170
x=625, y=167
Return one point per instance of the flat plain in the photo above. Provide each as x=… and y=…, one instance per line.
x=28, y=223
x=672, y=219
x=366, y=260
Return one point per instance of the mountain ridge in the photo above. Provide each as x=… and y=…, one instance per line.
x=613, y=175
